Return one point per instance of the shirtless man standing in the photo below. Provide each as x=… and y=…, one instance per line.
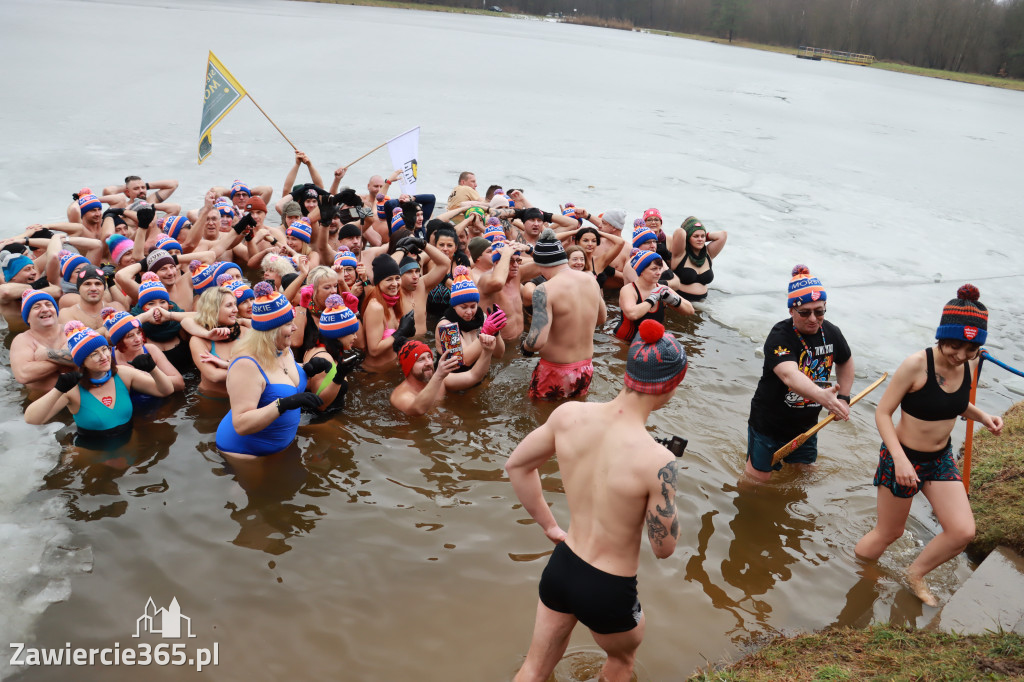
x=566, y=310
x=41, y=353
x=500, y=287
x=616, y=479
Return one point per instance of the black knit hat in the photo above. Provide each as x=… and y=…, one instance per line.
x=549, y=252
x=89, y=272
x=656, y=362
x=964, y=318
x=349, y=230
x=383, y=266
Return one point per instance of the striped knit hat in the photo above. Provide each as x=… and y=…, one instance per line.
x=337, y=320
x=69, y=261
x=225, y=207
x=656, y=362
x=241, y=289
x=549, y=252
x=803, y=288
x=174, y=224
x=158, y=258
x=271, y=309
x=493, y=230
x=239, y=186
x=32, y=296
x=166, y=243
x=397, y=220
x=463, y=288
x=225, y=268
x=119, y=245
x=118, y=324
x=152, y=289
x=82, y=341
x=203, y=276
x=87, y=201
x=641, y=259
x=345, y=259
x=642, y=235
x=300, y=230
x=964, y=318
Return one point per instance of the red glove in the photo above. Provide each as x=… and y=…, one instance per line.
x=351, y=301
x=494, y=322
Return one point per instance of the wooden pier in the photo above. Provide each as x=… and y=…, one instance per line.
x=819, y=53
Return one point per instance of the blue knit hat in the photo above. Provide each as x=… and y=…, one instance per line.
x=152, y=289
x=167, y=243
x=32, y=296
x=642, y=235
x=16, y=264
x=239, y=186
x=397, y=220
x=82, y=341
x=69, y=262
x=642, y=259
x=463, y=288
x=300, y=230
x=173, y=225
x=118, y=324
x=346, y=259
x=202, y=276
x=224, y=268
x=803, y=288
x=656, y=362
x=241, y=289
x=270, y=309
x=337, y=320
x=88, y=202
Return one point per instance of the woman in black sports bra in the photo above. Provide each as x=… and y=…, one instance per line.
x=932, y=388
x=693, y=248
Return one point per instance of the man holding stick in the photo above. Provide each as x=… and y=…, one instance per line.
x=799, y=354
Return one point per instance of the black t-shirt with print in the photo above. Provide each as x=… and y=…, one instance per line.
x=777, y=412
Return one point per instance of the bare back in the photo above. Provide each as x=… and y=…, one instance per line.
x=610, y=476
x=576, y=310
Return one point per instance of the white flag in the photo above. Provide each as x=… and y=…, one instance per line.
x=403, y=150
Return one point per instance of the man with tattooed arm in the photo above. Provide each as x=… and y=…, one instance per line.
x=567, y=308
x=617, y=480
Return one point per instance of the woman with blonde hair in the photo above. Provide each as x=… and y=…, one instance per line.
x=265, y=383
x=217, y=312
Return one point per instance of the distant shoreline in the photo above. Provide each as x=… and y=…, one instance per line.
x=972, y=78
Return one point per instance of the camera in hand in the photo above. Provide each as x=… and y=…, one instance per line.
x=349, y=360
x=676, y=444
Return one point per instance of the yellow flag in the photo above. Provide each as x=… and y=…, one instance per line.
x=222, y=93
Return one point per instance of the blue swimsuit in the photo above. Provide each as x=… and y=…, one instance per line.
x=277, y=435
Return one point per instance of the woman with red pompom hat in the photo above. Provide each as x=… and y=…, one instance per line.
x=931, y=388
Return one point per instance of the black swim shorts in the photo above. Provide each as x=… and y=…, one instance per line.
x=603, y=602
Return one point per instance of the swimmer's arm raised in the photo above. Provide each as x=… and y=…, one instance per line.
x=522, y=469
x=662, y=519
x=540, y=324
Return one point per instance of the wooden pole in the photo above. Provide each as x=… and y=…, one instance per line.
x=969, y=439
x=366, y=154
x=271, y=121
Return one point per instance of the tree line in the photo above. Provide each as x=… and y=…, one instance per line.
x=978, y=36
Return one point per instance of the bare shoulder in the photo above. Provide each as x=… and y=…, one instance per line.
x=567, y=414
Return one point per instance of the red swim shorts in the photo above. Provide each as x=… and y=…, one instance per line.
x=553, y=381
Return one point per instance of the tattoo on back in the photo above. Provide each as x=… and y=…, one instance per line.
x=540, y=316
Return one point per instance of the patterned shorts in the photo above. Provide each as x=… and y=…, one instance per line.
x=940, y=468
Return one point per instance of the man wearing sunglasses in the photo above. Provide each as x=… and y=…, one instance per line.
x=799, y=355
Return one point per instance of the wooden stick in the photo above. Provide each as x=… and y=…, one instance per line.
x=367, y=154
x=271, y=121
x=802, y=438
x=969, y=440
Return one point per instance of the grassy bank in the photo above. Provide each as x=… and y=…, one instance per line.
x=880, y=652
x=976, y=79
x=997, y=486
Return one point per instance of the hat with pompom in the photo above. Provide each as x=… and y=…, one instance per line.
x=32, y=296
x=409, y=353
x=803, y=288
x=300, y=230
x=82, y=341
x=493, y=231
x=964, y=318
x=119, y=245
x=118, y=324
x=240, y=288
x=270, y=309
x=656, y=362
x=337, y=320
x=69, y=262
x=166, y=243
x=203, y=276
x=549, y=252
x=239, y=186
x=463, y=288
x=152, y=289
x=87, y=201
x=174, y=224
x=346, y=259
x=397, y=220
x=225, y=268
x=642, y=235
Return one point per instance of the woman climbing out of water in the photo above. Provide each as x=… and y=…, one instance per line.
x=97, y=392
x=644, y=298
x=267, y=387
x=693, y=249
x=932, y=388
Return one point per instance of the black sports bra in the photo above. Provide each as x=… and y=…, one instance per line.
x=690, y=276
x=931, y=403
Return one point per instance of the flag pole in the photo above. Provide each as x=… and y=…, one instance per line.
x=272, y=122
x=383, y=144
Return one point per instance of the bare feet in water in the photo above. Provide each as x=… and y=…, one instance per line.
x=920, y=588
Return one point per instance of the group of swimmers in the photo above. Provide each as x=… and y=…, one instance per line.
x=132, y=294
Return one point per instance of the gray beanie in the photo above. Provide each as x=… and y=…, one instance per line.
x=549, y=252
x=656, y=361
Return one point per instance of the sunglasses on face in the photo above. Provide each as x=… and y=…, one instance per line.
x=817, y=312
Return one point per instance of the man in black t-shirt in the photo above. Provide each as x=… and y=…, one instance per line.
x=799, y=355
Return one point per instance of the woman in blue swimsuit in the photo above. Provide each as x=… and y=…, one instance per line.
x=97, y=393
x=932, y=388
x=267, y=387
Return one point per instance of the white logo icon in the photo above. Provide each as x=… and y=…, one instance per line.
x=164, y=622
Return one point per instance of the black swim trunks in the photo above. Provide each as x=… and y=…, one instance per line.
x=603, y=602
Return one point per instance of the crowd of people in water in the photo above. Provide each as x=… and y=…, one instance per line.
x=135, y=296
